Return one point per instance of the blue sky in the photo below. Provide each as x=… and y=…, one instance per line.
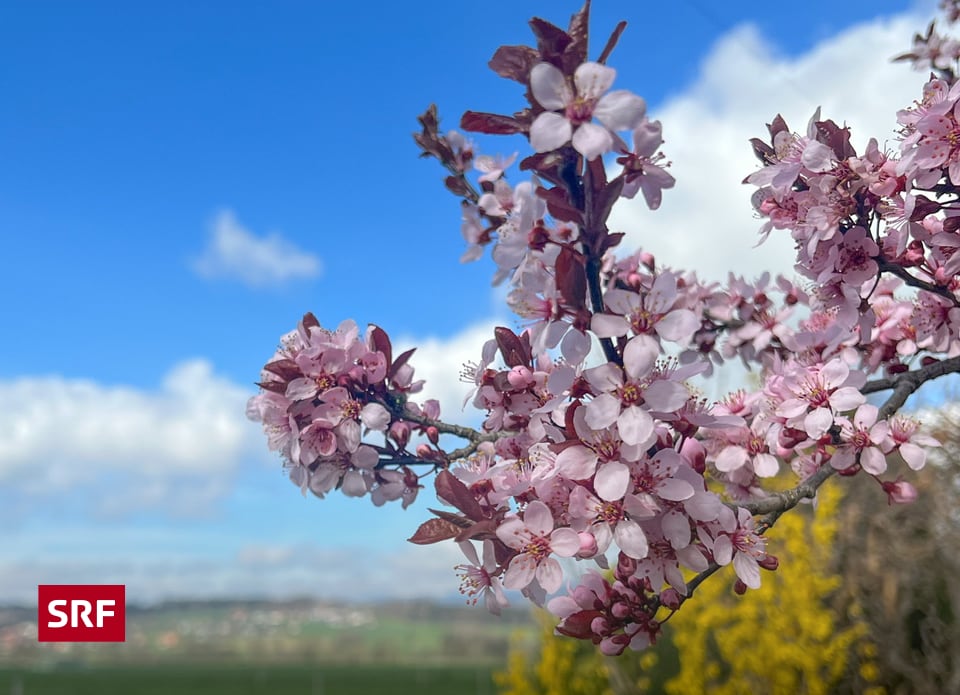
x=182, y=181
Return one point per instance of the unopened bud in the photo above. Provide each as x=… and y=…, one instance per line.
x=693, y=452
x=433, y=434
x=520, y=377
x=626, y=567
x=739, y=588
x=670, y=598
x=769, y=562
x=899, y=492
x=588, y=545
x=850, y=472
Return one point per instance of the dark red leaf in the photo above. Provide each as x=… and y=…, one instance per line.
x=482, y=530
x=400, y=361
x=763, y=151
x=456, y=519
x=777, y=126
x=511, y=347
x=606, y=198
x=552, y=41
x=275, y=386
x=836, y=138
x=546, y=165
x=558, y=203
x=452, y=491
x=514, y=62
x=579, y=624
x=286, y=369
x=434, y=531
x=610, y=241
x=457, y=185
x=951, y=224
x=612, y=42
x=571, y=279
x=310, y=321
x=381, y=342
x=429, y=119
x=576, y=52
x=491, y=123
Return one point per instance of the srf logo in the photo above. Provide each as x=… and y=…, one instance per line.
x=81, y=613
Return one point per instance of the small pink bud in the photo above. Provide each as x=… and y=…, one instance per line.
x=400, y=433
x=520, y=377
x=626, y=567
x=670, y=598
x=588, y=545
x=899, y=492
x=424, y=451
x=694, y=453
x=739, y=588
x=433, y=434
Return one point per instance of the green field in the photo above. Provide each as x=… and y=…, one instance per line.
x=270, y=680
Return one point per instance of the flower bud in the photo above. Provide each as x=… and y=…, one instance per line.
x=899, y=492
x=588, y=545
x=739, y=588
x=520, y=377
x=694, y=454
x=769, y=562
x=626, y=567
x=670, y=598
x=433, y=434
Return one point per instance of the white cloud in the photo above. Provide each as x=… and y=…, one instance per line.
x=439, y=361
x=271, y=571
x=174, y=446
x=706, y=223
x=235, y=252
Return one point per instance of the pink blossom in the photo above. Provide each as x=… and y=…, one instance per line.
x=480, y=578
x=899, y=492
x=743, y=546
x=535, y=539
x=619, y=110
x=861, y=442
x=643, y=169
x=904, y=435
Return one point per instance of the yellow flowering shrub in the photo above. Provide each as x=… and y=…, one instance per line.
x=782, y=638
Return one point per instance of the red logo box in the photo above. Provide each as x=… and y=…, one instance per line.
x=81, y=613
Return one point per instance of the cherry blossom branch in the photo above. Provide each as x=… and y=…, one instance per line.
x=779, y=502
x=913, y=281
x=906, y=383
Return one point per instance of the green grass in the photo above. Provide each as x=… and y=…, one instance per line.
x=267, y=680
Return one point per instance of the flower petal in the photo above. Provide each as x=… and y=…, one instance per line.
x=620, y=110
x=590, y=140
x=550, y=131
x=636, y=425
x=538, y=518
x=593, y=79
x=631, y=539
x=612, y=481
x=549, y=87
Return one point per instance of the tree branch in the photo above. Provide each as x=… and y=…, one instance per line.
x=915, y=378
x=913, y=281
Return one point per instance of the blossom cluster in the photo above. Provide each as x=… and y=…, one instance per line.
x=321, y=390
x=595, y=446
